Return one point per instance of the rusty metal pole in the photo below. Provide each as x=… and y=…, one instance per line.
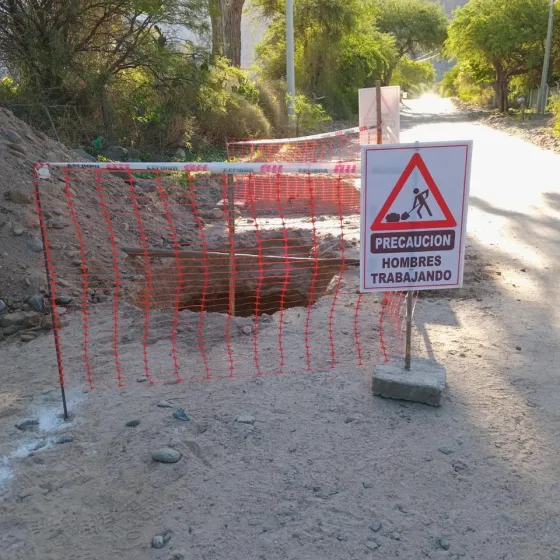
x=408, y=347
x=51, y=288
x=231, y=225
x=378, y=110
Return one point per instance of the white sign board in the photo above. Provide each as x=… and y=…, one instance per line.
x=390, y=115
x=413, y=216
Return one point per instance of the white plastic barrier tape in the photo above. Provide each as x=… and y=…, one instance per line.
x=343, y=132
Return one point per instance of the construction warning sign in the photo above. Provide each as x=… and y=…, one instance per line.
x=413, y=217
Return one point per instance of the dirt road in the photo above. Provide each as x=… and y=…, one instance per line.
x=322, y=470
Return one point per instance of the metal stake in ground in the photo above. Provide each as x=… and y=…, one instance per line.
x=378, y=110
x=50, y=285
x=231, y=225
x=408, y=347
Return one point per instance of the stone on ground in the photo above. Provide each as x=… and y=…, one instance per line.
x=166, y=455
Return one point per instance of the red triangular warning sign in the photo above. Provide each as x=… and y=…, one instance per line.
x=382, y=221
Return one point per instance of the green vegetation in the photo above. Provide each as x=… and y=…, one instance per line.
x=112, y=72
x=494, y=42
x=416, y=26
x=343, y=46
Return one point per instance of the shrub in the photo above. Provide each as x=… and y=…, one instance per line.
x=238, y=119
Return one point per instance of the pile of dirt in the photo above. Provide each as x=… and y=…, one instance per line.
x=197, y=226
x=21, y=258
x=23, y=282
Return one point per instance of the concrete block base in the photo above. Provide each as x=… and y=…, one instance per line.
x=424, y=383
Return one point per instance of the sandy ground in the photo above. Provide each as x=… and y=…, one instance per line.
x=325, y=471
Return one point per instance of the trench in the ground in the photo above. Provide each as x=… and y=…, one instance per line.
x=298, y=277
x=246, y=302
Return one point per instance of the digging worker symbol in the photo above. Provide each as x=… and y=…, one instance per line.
x=418, y=205
x=420, y=202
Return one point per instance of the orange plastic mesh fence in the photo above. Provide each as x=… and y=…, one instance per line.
x=196, y=273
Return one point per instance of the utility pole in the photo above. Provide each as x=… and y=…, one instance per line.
x=290, y=63
x=546, y=64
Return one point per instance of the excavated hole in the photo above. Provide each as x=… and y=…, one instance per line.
x=258, y=289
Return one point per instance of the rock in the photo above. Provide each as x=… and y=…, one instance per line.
x=64, y=300
x=146, y=186
x=159, y=541
x=13, y=319
x=372, y=545
x=17, y=230
x=27, y=424
x=117, y=153
x=28, y=336
x=59, y=440
x=178, y=556
x=37, y=302
x=214, y=214
x=35, y=244
x=18, y=197
x=18, y=148
x=133, y=154
x=57, y=224
x=367, y=484
x=446, y=450
x=443, y=543
x=35, y=446
x=12, y=330
x=245, y=419
x=60, y=310
x=2, y=306
x=164, y=404
x=376, y=526
x=166, y=455
x=132, y=423
x=349, y=419
x=247, y=330
x=13, y=136
x=142, y=380
x=518, y=348
x=181, y=414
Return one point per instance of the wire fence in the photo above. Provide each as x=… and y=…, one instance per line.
x=172, y=272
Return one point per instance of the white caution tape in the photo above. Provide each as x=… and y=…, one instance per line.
x=350, y=168
x=334, y=134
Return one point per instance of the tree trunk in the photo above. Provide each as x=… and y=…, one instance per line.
x=501, y=89
x=225, y=16
x=388, y=75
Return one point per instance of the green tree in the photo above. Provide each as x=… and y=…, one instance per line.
x=504, y=36
x=335, y=50
x=412, y=76
x=416, y=26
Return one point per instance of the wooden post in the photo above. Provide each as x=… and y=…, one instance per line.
x=378, y=108
x=231, y=225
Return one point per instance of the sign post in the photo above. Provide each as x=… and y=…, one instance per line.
x=413, y=219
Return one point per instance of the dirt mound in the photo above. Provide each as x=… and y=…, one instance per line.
x=22, y=271
x=21, y=258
